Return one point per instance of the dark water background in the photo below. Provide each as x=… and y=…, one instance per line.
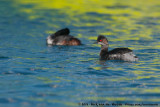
x=33, y=74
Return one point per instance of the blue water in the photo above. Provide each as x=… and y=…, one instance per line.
x=33, y=74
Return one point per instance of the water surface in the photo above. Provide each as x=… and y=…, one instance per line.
x=33, y=74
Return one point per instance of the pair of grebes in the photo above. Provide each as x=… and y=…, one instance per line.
x=62, y=37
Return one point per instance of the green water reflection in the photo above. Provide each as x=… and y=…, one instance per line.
x=120, y=20
x=131, y=20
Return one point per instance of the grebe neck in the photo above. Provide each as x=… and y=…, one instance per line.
x=104, y=51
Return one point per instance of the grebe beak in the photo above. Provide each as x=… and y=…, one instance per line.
x=96, y=42
x=100, y=43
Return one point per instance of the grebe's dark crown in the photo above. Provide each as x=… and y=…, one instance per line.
x=100, y=38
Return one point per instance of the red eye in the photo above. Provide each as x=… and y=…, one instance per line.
x=100, y=40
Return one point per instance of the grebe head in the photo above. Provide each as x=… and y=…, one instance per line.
x=102, y=40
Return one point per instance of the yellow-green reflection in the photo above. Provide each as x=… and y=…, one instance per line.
x=98, y=6
x=120, y=17
x=117, y=11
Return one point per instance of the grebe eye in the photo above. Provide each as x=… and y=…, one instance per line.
x=100, y=40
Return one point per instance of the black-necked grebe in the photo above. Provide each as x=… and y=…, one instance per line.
x=124, y=54
x=62, y=37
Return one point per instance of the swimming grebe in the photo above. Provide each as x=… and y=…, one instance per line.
x=62, y=37
x=124, y=54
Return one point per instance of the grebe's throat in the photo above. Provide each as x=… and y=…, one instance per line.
x=104, y=50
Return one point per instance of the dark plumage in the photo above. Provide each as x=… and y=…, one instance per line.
x=61, y=32
x=115, y=54
x=120, y=51
x=62, y=37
